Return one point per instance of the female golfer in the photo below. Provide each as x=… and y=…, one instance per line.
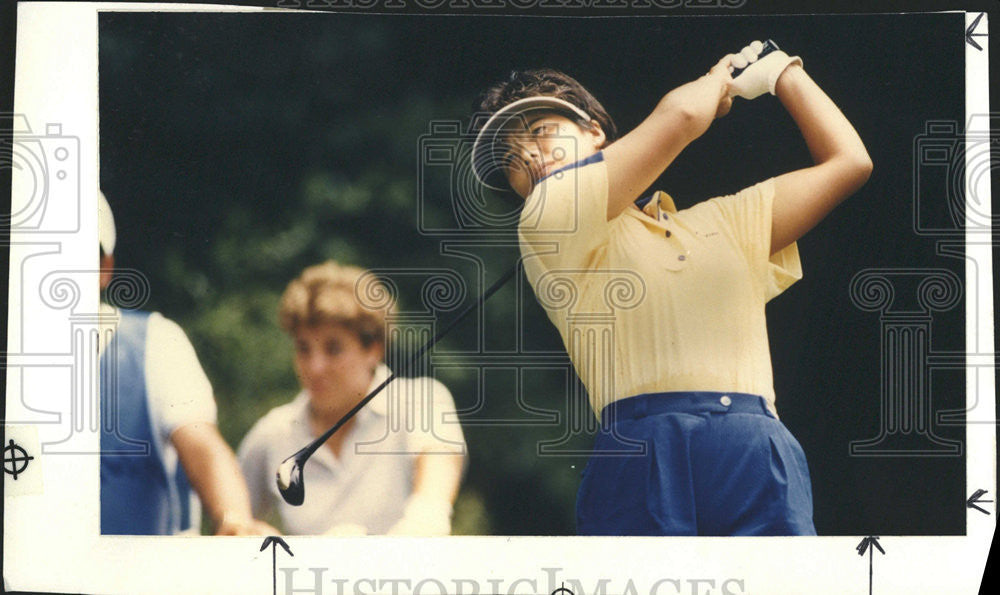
x=395, y=467
x=689, y=374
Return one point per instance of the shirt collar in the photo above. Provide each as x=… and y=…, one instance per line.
x=368, y=416
x=595, y=158
x=659, y=202
x=378, y=406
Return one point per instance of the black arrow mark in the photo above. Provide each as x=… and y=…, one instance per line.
x=969, y=33
x=974, y=499
x=274, y=541
x=869, y=543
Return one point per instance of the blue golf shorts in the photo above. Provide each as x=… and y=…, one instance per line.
x=694, y=463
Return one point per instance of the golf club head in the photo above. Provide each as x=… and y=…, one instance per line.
x=290, y=481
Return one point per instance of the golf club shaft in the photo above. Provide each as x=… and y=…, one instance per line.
x=315, y=444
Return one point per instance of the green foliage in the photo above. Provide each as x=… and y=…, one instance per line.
x=241, y=159
x=237, y=149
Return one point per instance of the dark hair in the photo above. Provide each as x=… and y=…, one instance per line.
x=546, y=81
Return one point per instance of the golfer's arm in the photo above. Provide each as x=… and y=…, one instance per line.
x=804, y=197
x=214, y=474
x=438, y=476
x=638, y=158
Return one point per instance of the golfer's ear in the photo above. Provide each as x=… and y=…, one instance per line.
x=600, y=139
x=107, y=268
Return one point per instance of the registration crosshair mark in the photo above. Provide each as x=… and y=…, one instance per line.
x=13, y=456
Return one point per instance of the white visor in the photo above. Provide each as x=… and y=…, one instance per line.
x=487, y=153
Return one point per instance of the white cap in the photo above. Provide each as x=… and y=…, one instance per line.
x=105, y=224
x=486, y=162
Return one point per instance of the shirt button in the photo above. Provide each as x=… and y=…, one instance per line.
x=666, y=233
x=682, y=257
x=664, y=215
x=725, y=400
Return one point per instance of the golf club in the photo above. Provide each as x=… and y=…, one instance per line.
x=291, y=483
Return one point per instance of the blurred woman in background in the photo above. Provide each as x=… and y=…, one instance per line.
x=395, y=467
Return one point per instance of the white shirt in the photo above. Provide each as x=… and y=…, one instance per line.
x=178, y=391
x=368, y=482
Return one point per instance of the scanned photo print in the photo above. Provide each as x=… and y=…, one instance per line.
x=446, y=298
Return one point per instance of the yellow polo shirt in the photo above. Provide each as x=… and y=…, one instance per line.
x=656, y=300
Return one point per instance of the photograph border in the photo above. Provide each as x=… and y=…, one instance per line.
x=55, y=95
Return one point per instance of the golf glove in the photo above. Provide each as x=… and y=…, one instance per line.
x=760, y=75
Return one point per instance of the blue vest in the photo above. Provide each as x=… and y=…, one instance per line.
x=137, y=495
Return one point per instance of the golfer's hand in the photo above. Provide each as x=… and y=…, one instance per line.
x=721, y=74
x=424, y=516
x=245, y=527
x=761, y=75
x=702, y=100
x=347, y=530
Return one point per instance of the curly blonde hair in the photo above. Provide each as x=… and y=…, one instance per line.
x=328, y=293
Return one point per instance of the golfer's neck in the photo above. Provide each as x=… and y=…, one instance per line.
x=321, y=423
